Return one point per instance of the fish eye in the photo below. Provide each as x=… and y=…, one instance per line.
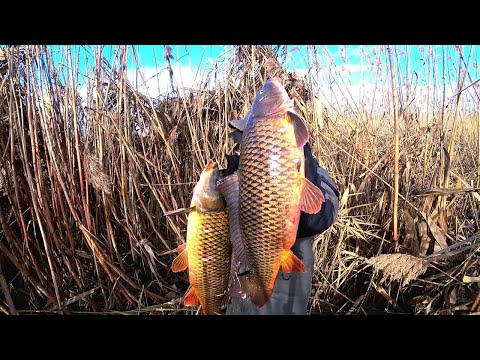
x=261, y=91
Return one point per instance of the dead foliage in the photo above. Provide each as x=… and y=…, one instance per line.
x=90, y=162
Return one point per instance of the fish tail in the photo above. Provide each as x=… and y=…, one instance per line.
x=255, y=290
x=235, y=289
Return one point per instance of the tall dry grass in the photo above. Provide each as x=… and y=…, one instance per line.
x=85, y=180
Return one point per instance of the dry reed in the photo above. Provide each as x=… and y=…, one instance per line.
x=87, y=171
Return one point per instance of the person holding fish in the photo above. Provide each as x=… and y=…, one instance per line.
x=284, y=199
x=251, y=226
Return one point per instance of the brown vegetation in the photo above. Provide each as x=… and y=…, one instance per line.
x=84, y=184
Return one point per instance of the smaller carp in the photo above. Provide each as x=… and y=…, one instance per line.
x=207, y=252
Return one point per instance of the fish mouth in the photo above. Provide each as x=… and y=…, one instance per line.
x=205, y=195
x=277, y=81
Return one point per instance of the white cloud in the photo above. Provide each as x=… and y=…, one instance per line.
x=337, y=92
x=155, y=82
x=379, y=96
x=345, y=71
x=333, y=86
x=82, y=92
x=350, y=69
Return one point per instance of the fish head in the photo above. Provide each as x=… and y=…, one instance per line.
x=205, y=195
x=271, y=99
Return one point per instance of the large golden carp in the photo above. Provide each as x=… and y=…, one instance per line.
x=208, y=249
x=272, y=188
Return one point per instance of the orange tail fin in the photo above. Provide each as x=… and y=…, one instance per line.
x=191, y=298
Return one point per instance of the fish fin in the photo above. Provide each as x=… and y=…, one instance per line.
x=230, y=189
x=255, y=290
x=291, y=263
x=236, y=136
x=181, y=261
x=191, y=297
x=312, y=197
x=179, y=211
x=239, y=124
x=301, y=131
x=235, y=290
x=181, y=247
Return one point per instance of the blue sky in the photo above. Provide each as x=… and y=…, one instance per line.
x=349, y=56
x=193, y=55
x=354, y=70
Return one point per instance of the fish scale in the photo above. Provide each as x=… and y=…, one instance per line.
x=269, y=176
x=272, y=189
x=209, y=252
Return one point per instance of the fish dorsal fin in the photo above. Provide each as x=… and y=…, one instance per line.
x=239, y=124
x=301, y=131
x=179, y=211
x=312, y=198
x=191, y=297
x=181, y=261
